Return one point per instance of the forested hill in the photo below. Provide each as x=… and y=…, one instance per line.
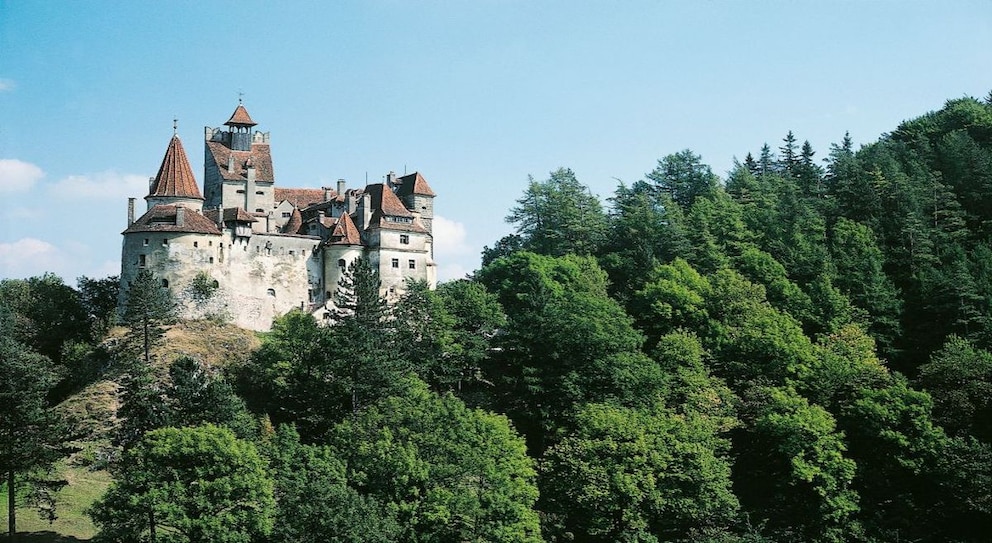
x=799, y=352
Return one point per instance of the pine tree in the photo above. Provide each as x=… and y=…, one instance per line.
x=788, y=162
x=148, y=308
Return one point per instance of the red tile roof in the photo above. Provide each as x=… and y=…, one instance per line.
x=231, y=214
x=162, y=218
x=384, y=200
x=413, y=183
x=175, y=177
x=345, y=232
x=295, y=224
x=260, y=156
x=301, y=198
x=240, y=117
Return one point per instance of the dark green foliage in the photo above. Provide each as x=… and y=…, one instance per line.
x=637, y=475
x=190, y=484
x=195, y=395
x=142, y=405
x=683, y=178
x=314, y=504
x=559, y=216
x=792, y=469
x=566, y=342
x=149, y=307
x=959, y=377
x=46, y=312
x=99, y=298
x=32, y=435
x=448, y=473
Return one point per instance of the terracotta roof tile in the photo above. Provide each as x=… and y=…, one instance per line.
x=384, y=200
x=381, y=221
x=175, y=177
x=231, y=214
x=295, y=224
x=240, y=117
x=162, y=218
x=260, y=156
x=345, y=232
x=413, y=183
x=302, y=198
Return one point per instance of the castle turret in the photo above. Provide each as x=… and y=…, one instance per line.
x=240, y=123
x=418, y=197
x=237, y=166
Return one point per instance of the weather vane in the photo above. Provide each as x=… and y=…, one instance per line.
x=175, y=125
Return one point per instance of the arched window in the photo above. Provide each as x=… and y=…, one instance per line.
x=272, y=292
x=341, y=263
x=165, y=283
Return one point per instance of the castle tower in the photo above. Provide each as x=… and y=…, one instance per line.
x=174, y=184
x=237, y=168
x=418, y=197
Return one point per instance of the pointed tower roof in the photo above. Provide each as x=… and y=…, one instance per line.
x=414, y=183
x=175, y=177
x=345, y=232
x=295, y=223
x=240, y=117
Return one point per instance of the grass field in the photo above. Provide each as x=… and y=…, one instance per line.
x=84, y=487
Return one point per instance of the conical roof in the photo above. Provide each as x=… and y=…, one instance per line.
x=345, y=232
x=175, y=177
x=240, y=117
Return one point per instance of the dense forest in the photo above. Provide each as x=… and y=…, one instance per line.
x=799, y=352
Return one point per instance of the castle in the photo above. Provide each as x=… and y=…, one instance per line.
x=250, y=251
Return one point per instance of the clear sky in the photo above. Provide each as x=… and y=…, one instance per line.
x=476, y=95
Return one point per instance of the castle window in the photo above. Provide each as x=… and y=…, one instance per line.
x=216, y=284
x=272, y=292
x=146, y=242
x=341, y=263
x=412, y=264
x=196, y=244
x=286, y=214
x=405, y=239
x=259, y=210
x=165, y=283
x=211, y=260
x=210, y=243
x=396, y=263
x=241, y=191
x=141, y=261
x=165, y=242
x=259, y=193
x=292, y=253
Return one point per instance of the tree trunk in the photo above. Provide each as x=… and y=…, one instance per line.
x=11, y=506
x=151, y=526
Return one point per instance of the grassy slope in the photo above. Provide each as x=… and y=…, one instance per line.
x=91, y=413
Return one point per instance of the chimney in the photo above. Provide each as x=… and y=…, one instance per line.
x=130, y=211
x=230, y=162
x=341, y=187
x=327, y=193
x=180, y=216
x=391, y=179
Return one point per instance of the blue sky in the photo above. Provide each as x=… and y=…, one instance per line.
x=475, y=95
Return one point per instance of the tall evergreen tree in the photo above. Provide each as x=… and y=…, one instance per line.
x=31, y=434
x=149, y=307
x=559, y=216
